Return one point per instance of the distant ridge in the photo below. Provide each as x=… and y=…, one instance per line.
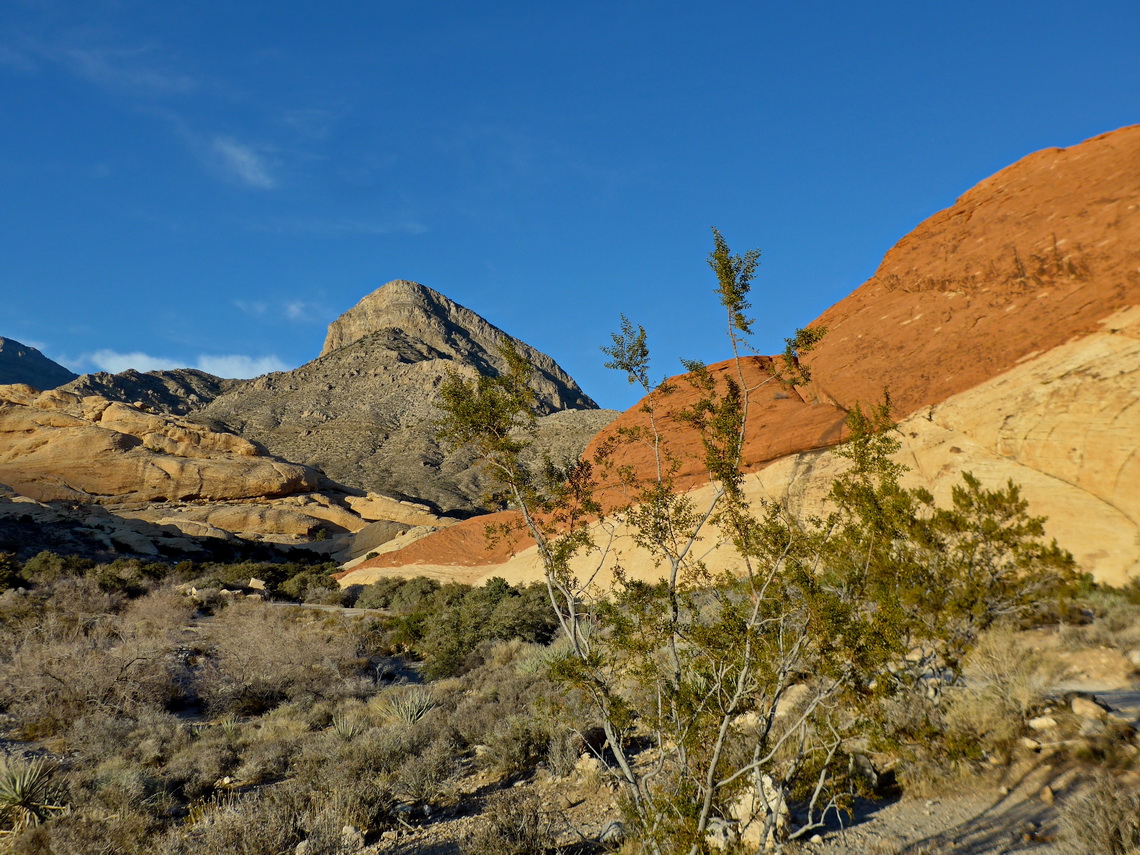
x=20, y=363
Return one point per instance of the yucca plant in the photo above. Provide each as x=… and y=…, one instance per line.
x=346, y=728
x=410, y=706
x=27, y=794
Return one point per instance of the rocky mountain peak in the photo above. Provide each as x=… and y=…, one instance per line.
x=364, y=412
x=419, y=311
x=418, y=323
x=20, y=363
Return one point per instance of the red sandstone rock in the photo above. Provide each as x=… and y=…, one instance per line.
x=1027, y=260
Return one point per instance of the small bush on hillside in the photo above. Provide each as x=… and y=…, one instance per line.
x=10, y=571
x=313, y=585
x=514, y=824
x=47, y=567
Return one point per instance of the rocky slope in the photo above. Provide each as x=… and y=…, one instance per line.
x=178, y=392
x=174, y=460
x=20, y=363
x=363, y=411
x=148, y=483
x=1005, y=329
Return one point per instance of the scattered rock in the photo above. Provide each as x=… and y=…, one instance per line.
x=1087, y=708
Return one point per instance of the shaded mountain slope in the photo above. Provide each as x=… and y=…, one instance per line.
x=20, y=363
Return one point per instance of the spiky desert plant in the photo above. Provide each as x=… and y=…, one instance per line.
x=346, y=728
x=409, y=706
x=27, y=794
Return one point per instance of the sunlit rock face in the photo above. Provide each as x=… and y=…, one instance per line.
x=1006, y=330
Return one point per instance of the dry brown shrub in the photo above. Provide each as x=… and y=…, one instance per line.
x=1104, y=819
x=514, y=824
x=263, y=655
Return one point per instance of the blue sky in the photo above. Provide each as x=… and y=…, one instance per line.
x=209, y=184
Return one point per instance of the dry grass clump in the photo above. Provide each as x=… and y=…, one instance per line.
x=1104, y=819
x=1005, y=684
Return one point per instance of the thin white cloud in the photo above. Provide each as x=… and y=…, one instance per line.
x=243, y=162
x=121, y=69
x=16, y=60
x=113, y=362
x=340, y=227
x=256, y=308
x=240, y=367
x=234, y=365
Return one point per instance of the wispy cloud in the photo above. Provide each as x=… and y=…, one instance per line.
x=16, y=60
x=255, y=308
x=243, y=162
x=297, y=310
x=314, y=123
x=234, y=365
x=340, y=226
x=290, y=310
x=131, y=69
x=240, y=366
x=114, y=362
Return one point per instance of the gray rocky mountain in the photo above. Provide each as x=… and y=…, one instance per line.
x=20, y=363
x=177, y=392
x=363, y=411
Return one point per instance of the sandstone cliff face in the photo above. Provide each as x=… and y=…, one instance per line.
x=20, y=363
x=58, y=446
x=1007, y=333
x=162, y=484
x=363, y=412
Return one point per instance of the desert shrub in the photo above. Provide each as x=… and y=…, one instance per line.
x=408, y=704
x=82, y=832
x=409, y=595
x=514, y=824
x=130, y=576
x=313, y=585
x=563, y=752
x=10, y=571
x=1103, y=819
x=146, y=741
x=263, y=655
x=194, y=769
x=517, y=744
x=47, y=567
x=379, y=594
x=447, y=627
x=76, y=650
x=421, y=778
x=29, y=793
x=269, y=822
